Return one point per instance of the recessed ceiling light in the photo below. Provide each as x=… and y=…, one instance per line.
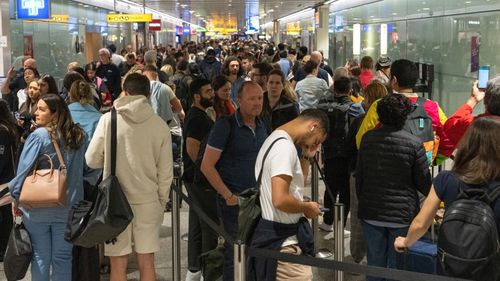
x=229, y=4
x=191, y=11
x=394, y=14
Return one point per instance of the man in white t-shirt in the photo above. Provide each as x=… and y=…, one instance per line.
x=284, y=225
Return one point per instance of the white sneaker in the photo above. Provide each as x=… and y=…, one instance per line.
x=194, y=276
x=326, y=227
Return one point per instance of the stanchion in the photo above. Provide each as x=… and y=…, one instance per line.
x=323, y=252
x=239, y=261
x=176, y=228
x=338, y=223
x=314, y=198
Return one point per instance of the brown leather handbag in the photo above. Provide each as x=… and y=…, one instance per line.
x=45, y=188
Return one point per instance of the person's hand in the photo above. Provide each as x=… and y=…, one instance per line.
x=16, y=212
x=312, y=210
x=476, y=93
x=11, y=73
x=400, y=244
x=232, y=200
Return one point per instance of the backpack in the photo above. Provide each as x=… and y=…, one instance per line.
x=199, y=178
x=468, y=245
x=182, y=91
x=419, y=124
x=210, y=71
x=340, y=121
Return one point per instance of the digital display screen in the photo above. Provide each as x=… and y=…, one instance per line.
x=483, y=76
x=33, y=9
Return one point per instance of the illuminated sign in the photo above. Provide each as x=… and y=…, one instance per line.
x=33, y=9
x=155, y=25
x=129, y=17
x=59, y=18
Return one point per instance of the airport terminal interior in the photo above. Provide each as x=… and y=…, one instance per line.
x=434, y=49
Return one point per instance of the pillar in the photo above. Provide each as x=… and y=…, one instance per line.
x=5, y=39
x=276, y=32
x=322, y=39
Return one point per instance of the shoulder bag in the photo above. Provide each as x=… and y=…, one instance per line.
x=249, y=201
x=45, y=188
x=91, y=223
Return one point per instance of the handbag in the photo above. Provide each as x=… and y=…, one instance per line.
x=45, y=188
x=249, y=202
x=18, y=254
x=91, y=223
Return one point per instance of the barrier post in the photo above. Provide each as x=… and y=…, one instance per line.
x=176, y=229
x=338, y=222
x=239, y=261
x=314, y=198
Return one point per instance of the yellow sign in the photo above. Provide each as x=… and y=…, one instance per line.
x=130, y=17
x=59, y=18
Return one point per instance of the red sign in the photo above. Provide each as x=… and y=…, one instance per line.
x=155, y=25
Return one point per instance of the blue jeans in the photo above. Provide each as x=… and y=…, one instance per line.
x=229, y=217
x=49, y=250
x=380, y=246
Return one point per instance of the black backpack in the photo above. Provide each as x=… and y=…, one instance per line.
x=338, y=115
x=182, y=91
x=468, y=245
x=419, y=124
x=199, y=178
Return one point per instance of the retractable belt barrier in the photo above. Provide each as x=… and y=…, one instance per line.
x=374, y=271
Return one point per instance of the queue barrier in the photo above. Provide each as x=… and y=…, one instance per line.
x=241, y=252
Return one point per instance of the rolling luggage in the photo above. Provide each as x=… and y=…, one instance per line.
x=421, y=257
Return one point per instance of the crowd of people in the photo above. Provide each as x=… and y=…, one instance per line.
x=238, y=114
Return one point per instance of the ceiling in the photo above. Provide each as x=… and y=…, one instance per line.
x=231, y=13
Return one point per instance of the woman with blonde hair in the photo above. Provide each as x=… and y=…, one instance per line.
x=81, y=97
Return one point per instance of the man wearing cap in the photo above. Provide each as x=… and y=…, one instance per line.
x=383, y=70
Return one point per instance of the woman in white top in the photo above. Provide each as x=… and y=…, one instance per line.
x=30, y=74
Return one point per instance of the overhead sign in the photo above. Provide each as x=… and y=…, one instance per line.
x=155, y=25
x=59, y=18
x=33, y=9
x=129, y=17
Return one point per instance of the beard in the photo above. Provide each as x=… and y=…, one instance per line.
x=206, y=103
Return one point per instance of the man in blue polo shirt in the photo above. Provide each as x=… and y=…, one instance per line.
x=229, y=159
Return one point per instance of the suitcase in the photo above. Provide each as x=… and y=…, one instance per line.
x=421, y=257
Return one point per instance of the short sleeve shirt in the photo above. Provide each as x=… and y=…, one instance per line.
x=197, y=125
x=237, y=161
x=281, y=160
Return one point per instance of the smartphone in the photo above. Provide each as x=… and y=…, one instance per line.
x=324, y=210
x=483, y=77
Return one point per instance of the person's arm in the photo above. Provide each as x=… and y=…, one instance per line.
x=165, y=168
x=5, y=90
x=422, y=179
x=369, y=123
x=420, y=223
x=30, y=153
x=95, y=152
x=458, y=123
x=192, y=148
x=210, y=158
x=284, y=201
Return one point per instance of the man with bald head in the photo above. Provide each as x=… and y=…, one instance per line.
x=230, y=156
x=316, y=57
x=15, y=82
